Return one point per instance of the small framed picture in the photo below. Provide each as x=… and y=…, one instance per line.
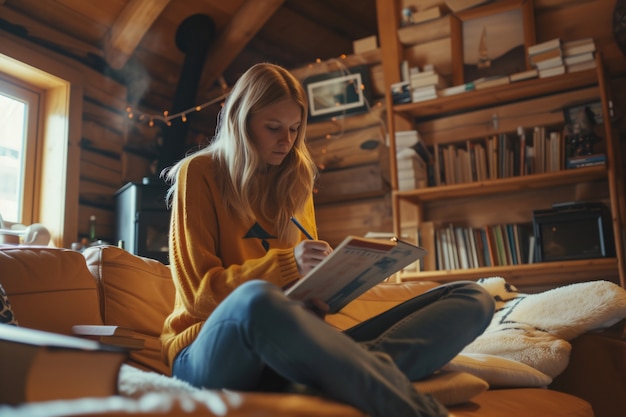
x=338, y=93
x=492, y=40
x=590, y=112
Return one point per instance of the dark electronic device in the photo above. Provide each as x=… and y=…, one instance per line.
x=573, y=231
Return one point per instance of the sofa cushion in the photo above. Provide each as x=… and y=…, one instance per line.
x=50, y=288
x=380, y=298
x=498, y=372
x=6, y=313
x=137, y=293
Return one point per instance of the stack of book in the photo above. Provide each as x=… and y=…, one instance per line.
x=110, y=335
x=425, y=84
x=412, y=160
x=581, y=161
x=412, y=170
x=578, y=55
x=401, y=92
x=547, y=58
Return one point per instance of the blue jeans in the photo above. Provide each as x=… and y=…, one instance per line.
x=369, y=366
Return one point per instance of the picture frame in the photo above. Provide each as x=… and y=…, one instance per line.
x=338, y=93
x=572, y=113
x=492, y=40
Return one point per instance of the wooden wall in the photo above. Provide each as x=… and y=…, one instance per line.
x=115, y=150
x=430, y=43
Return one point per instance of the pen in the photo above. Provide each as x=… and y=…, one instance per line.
x=302, y=229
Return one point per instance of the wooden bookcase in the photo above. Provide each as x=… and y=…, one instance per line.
x=476, y=115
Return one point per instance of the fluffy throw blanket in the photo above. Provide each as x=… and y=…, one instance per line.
x=535, y=329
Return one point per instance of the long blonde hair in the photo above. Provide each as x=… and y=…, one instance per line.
x=282, y=190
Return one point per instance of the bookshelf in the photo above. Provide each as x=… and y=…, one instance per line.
x=476, y=115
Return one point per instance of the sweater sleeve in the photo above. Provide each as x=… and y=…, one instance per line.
x=209, y=255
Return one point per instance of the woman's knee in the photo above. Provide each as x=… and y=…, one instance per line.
x=258, y=297
x=484, y=305
x=479, y=304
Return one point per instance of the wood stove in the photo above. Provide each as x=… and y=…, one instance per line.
x=143, y=219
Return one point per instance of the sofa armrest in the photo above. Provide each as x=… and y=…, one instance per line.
x=49, y=288
x=597, y=370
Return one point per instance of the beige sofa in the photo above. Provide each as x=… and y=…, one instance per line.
x=52, y=289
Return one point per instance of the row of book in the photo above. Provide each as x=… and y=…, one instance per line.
x=526, y=152
x=499, y=156
x=459, y=247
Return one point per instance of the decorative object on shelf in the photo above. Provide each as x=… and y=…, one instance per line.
x=338, y=93
x=619, y=24
x=491, y=40
x=581, y=138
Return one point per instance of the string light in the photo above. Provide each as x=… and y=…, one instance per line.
x=167, y=118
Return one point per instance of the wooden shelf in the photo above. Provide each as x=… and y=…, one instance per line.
x=504, y=185
x=537, y=274
x=499, y=95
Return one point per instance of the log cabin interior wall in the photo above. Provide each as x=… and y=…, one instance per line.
x=116, y=150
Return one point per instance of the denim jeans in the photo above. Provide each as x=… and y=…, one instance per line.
x=369, y=366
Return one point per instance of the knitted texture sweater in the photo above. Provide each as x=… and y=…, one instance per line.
x=212, y=252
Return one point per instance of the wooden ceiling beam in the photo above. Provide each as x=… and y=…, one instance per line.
x=250, y=18
x=129, y=28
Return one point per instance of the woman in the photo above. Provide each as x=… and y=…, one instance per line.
x=233, y=250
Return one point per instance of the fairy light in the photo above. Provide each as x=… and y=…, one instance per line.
x=166, y=117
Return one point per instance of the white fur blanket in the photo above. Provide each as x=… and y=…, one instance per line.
x=535, y=329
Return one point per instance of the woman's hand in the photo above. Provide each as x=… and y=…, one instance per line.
x=317, y=307
x=309, y=253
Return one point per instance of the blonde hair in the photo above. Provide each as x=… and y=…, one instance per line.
x=283, y=189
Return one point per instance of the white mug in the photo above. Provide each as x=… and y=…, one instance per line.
x=36, y=234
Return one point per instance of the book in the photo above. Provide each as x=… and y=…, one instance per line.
x=585, y=161
x=581, y=66
x=551, y=72
x=544, y=46
x=524, y=75
x=101, y=330
x=549, y=63
x=418, y=80
x=578, y=46
x=489, y=82
x=577, y=59
x=110, y=335
x=35, y=362
x=457, y=89
x=355, y=265
x=545, y=55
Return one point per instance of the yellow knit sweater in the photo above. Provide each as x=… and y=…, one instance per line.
x=212, y=252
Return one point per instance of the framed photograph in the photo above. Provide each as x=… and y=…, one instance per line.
x=338, y=93
x=591, y=112
x=492, y=40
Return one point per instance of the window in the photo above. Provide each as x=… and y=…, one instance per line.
x=19, y=112
x=51, y=178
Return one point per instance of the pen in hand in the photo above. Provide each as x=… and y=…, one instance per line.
x=302, y=229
